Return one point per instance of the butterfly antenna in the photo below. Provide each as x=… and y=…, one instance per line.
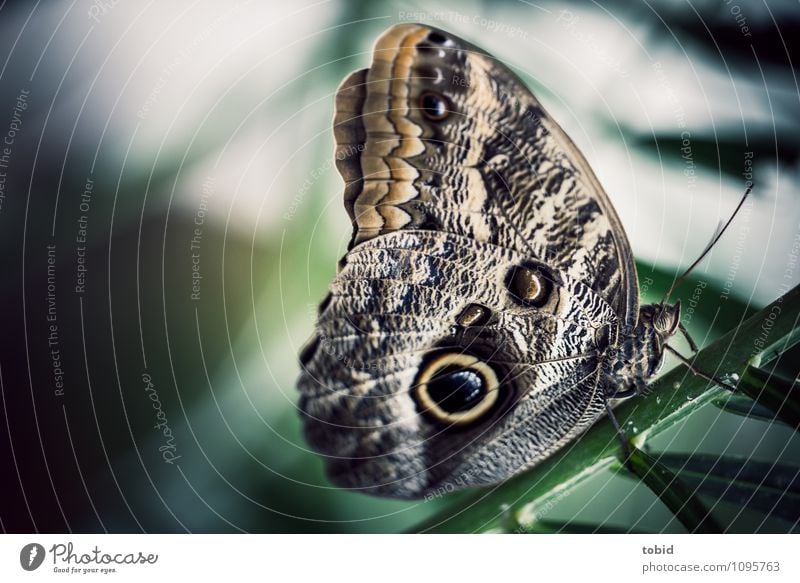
x=717, y=235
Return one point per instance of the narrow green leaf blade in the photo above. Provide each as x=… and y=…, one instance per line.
x=770, y=488
x=675, y=494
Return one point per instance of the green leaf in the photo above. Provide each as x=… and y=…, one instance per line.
x=675, y=495
x=773, y=393
x=555, y=527
x=769, y=487
x=744, y=406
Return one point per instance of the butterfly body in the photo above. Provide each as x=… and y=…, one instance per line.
x=487, y=308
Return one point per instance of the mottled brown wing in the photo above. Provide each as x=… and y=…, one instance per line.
x=438, y=135
x=465, y=336
x=407, y=303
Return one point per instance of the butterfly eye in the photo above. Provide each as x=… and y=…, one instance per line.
x=433, y=106
x=456, y=388
x=666, y=320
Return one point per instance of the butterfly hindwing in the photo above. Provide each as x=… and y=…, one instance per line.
x=405, y=302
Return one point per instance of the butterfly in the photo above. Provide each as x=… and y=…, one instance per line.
x=487, y=308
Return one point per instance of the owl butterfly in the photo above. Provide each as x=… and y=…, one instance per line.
x=487, y=308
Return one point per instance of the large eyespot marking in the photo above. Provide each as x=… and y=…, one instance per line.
x=474, y=315
x=433, y=106
x=530, y=286
x=456, y=388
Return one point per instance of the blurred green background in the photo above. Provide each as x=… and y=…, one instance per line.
x=170, y=205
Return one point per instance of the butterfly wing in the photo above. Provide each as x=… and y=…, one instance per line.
x=438, y=135
x=411, y=321
x=487, y=273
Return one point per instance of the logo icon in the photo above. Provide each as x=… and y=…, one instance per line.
x=31, y=556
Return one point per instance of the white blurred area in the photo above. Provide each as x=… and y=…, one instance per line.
x=243, y=92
